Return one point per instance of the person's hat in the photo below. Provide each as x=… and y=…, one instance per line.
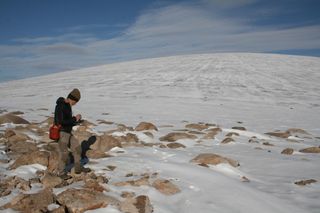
x=75, y=95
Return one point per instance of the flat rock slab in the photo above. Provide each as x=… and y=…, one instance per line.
x=214, y=159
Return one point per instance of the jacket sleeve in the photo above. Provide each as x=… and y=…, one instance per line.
x=60, y=119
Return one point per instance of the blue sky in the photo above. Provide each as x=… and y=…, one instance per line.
x=44, y=36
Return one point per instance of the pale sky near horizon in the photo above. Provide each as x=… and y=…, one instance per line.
x=38, y=37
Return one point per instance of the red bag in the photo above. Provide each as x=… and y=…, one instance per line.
x=54, y=132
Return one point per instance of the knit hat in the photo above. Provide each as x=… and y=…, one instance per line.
x=74, y=95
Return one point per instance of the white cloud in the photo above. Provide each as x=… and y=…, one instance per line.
x=169, y=30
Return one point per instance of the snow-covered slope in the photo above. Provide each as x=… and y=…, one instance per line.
x=262, y=92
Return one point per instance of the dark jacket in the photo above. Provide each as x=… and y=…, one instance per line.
x=63, y=115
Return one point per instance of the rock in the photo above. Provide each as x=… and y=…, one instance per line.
x=100, y=121
x=199, y=127
x=11, y=118
x=96, y=154
x=129, y=138
x=146, y=126
x=230, y=134
x=144, y=181
x=48, y=121
x=128, y=194
x=94, y=185
x=140, y=204
x=305, y=182
x=105, y=142
x=123, y=128
x=310, y=150
x=37, y=202
x=53, y=160
x=279, y=134
x=40, y=157
x=196, y=132
x=212, y=133
x=17, y=113
x=165, y=187
x=175, y=145
x=50, y=181
x=81, y=200
x=7, y=185
x=210, y=158
x=239, y=128
x=267, y=144
x=227, y=140
x=149, y=134
x=18, y=138
x=253, y=139
x=60, y=209
x=174, y=136
x=22, y=147
x=297, y=132
x=9, y=133
x=287, y=151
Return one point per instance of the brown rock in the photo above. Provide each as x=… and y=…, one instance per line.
x=149, y=134
x=96, y=154
x=212, y=133
x=9, y=133
x=18, y=138
x=279, y=134
x=129, y=138
x=199, y=127
x=230, y=134
x=60, y=209
x=310, y=150
x=144, y=181
x=81, y=200
x=122, y=128
x=11, y=118
x=267, y=144
x=140, y=204
x=297, y=132
x=105, y=122
x=145, y=126
x=50, y=181
x=174, y=136
x=30, y=203
x=22, y=147
x=175, y=145
x=105, y=143
x=239, y=128
x=227, y=140
x=165, y=187
x=94, y=185
x=196, y=132
x=210, y=158
x=40, y=157
x=53, y=159
x=128, y=194
x=305, y=182
x=287, y=151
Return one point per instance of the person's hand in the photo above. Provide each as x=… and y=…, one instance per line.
x=78, y=117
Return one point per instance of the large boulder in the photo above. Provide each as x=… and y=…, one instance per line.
x=37, y=157
x=105, y=142
x=214, y=159
x=211, y=133
x=143, y=126
x=199, y=127
x=31, y=203
x=12, y=118
x=81, y=200
x=140, y=204
x=50, y=181
x=310, y=150
x=165, y=187
x=174, y=136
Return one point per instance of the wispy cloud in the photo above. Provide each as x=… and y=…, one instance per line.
x=175, y=29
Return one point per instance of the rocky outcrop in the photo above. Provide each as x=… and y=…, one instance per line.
x=175, y=145
x=227, y=140
x=165, y=187
x=198, y=127
x=50, y=181
x=140, y=204
x=305, y=182
x=211, y=133
x=174, y=136
x=287, y=151
x=214, y=159
x=143, y=126
x=39, y=157
x=105, y=142
x=31, y=203
x=310, y=150
x=128, y=138
x=81, y=200
x=12, y=118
